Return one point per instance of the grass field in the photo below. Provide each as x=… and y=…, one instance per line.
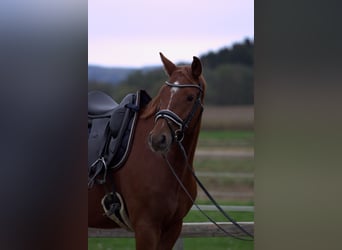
x=218, y=243
x=228, y=129
x=226, y=138
x=188, y=243
x=228, y=117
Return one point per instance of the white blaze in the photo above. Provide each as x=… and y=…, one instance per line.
x=173, y=92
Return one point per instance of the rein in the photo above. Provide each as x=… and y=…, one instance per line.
x=208, y=195
x=178, y=135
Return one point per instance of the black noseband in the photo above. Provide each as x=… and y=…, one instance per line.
x=169, y=115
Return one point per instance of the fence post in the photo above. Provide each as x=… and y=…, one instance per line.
x=179, y=244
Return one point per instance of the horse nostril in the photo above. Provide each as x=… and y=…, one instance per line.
x=159, y=142
x=162, y=139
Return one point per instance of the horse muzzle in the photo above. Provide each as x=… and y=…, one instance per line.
x=160, y=142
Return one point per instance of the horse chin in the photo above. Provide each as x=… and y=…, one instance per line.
x=159, y=151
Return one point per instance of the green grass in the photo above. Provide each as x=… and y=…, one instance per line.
x=241, y=165
x=222, y=139
x=197, y=216
x=224, y=165
x=226, y=138
x=111, y=244
x=218, y=243
x=226, y=134
x=227, y=203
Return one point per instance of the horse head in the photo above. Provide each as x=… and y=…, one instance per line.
x=178, y=106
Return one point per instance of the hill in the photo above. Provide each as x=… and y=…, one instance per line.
x=108, y=75
x=112, y=75
x=229, y=75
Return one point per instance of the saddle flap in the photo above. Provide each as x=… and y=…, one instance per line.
x=110, y=133
x=116, y=121
x=121, y=115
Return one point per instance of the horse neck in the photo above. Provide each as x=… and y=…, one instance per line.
x=190, y=142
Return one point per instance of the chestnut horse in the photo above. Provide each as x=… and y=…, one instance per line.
x=155, y=202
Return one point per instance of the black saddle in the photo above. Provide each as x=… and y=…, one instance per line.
x=100, y=104
x=110, y=131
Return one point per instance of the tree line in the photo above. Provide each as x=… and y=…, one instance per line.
x=228, y=72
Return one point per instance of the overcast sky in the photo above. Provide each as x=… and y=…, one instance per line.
x=132, y=32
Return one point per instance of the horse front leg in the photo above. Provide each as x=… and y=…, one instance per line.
x=170, y=236
x=147, y=236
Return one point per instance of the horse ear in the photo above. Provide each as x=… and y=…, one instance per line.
x=196, y=67
x=168, y=65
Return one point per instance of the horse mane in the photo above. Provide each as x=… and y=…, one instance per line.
x=151, y=107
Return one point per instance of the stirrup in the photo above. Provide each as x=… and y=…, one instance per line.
x=112, y=204
x=114, y=208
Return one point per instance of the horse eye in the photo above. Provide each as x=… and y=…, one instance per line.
x=190, y=98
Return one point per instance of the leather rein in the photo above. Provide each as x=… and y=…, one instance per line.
x=178, y=136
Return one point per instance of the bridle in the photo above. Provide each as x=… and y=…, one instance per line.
x=171, y=116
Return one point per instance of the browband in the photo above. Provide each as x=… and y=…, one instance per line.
x=184, y=86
